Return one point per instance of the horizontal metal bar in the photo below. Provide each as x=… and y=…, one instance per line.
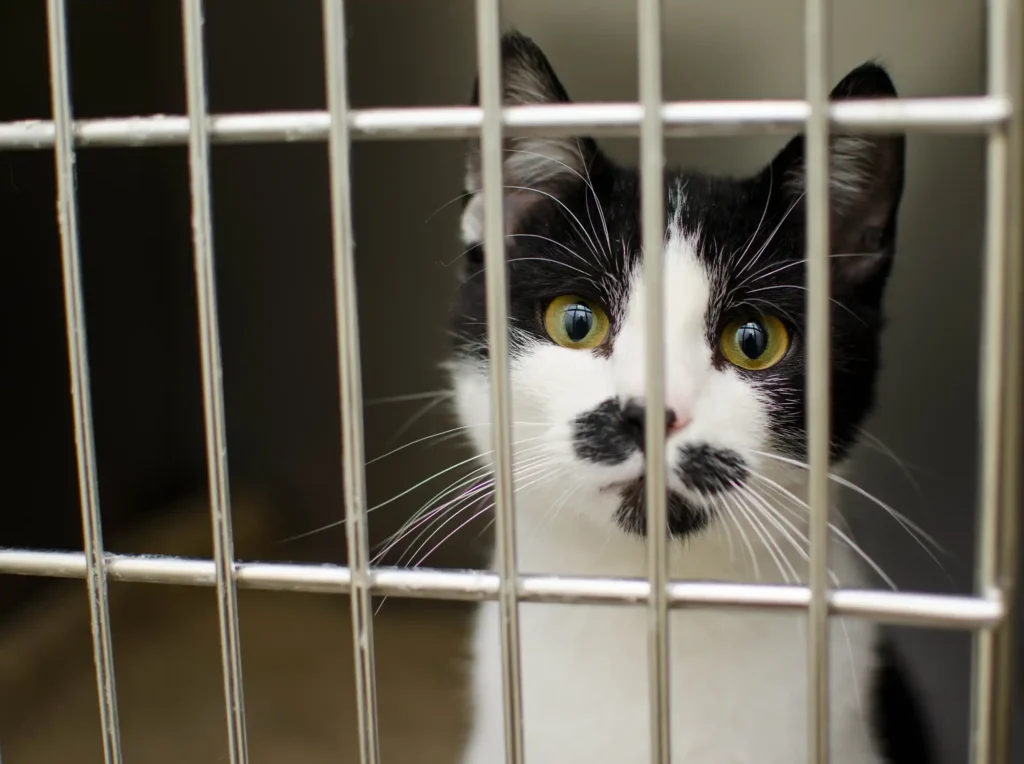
x=948, y=611
x=682, y=119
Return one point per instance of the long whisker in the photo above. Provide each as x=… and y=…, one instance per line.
x=746, y=541
x=597, y=200
x=429, y=509
x=406, y=492
x=479, y=480
x=773, y=512
x=417, y=415
x=548, y=239
x=436, y=515
x=583, y=230
x=545, y=476
x=445, y=393
x=781, y=523
x=908, y=525
x=835, y=582
x=763, y=536
x=771, y=269
x=833, y=300
x=757, y=230
x=771, y=237
x=879, y=445
x=835, y=529
x=586, y=181
x=447, y=204
x=449, y=432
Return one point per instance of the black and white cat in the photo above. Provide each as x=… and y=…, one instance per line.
x=735, y=429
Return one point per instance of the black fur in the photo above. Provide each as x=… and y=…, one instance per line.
x=899, y=720
x=683, y=518
x=603, y=436
x=612, y=432
x=710, y=470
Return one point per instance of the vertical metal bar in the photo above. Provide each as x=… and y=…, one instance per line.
x=81, y=399
x=652, y=198
x=1000, y=479
x=213, y=392
x=1006, y=645
x=818, y=366
x=488, y=41
x=350, y=380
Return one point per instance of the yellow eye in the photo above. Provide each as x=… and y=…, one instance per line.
x=574, y=322
x=755, y=344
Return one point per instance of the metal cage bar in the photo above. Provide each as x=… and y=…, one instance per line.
x=682, y=120
x=818, y=403
x=928, y=610
x=213, y=391
x=350, y=378
x=1006, y=643
x=652, y=216
x=81, y=398
x=991, y=701
x=488, y=41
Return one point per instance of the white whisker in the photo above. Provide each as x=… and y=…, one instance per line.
x=908, y=525
x=746, y=541
x=836, y=530
x=583, y=230
x=551, y=472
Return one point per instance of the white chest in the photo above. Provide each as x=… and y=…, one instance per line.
x=738, y=687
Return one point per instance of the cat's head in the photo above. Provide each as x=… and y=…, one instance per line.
x=735, y=324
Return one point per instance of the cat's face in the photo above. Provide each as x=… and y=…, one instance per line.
x=734, y=302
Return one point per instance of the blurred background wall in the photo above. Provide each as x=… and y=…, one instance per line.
x=272, y=240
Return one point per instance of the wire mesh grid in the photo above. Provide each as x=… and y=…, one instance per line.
x=996, y=114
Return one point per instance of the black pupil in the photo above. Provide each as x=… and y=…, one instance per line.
x=752, y=339
x=579, y=320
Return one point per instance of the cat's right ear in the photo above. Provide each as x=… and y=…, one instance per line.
x=865, y=185
x=534, y=167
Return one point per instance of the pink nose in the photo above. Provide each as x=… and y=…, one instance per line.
x=679, y=423
x=634, y=420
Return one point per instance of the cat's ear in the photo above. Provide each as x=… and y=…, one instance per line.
x=865, y=184
x=534, y=163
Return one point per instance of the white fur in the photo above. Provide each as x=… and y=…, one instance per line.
x=738, y=678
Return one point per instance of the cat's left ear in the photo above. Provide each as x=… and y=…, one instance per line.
x=865, y=184
x=535, y=168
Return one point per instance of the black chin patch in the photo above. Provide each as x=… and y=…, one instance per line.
x=710, y=470
x=684, y=519
x=599, y=435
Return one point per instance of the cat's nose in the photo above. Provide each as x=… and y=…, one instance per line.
x=634, y=420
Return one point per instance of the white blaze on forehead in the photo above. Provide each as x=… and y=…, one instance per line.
x=687, y=355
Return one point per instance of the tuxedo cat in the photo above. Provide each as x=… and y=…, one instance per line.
x=735, y=429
